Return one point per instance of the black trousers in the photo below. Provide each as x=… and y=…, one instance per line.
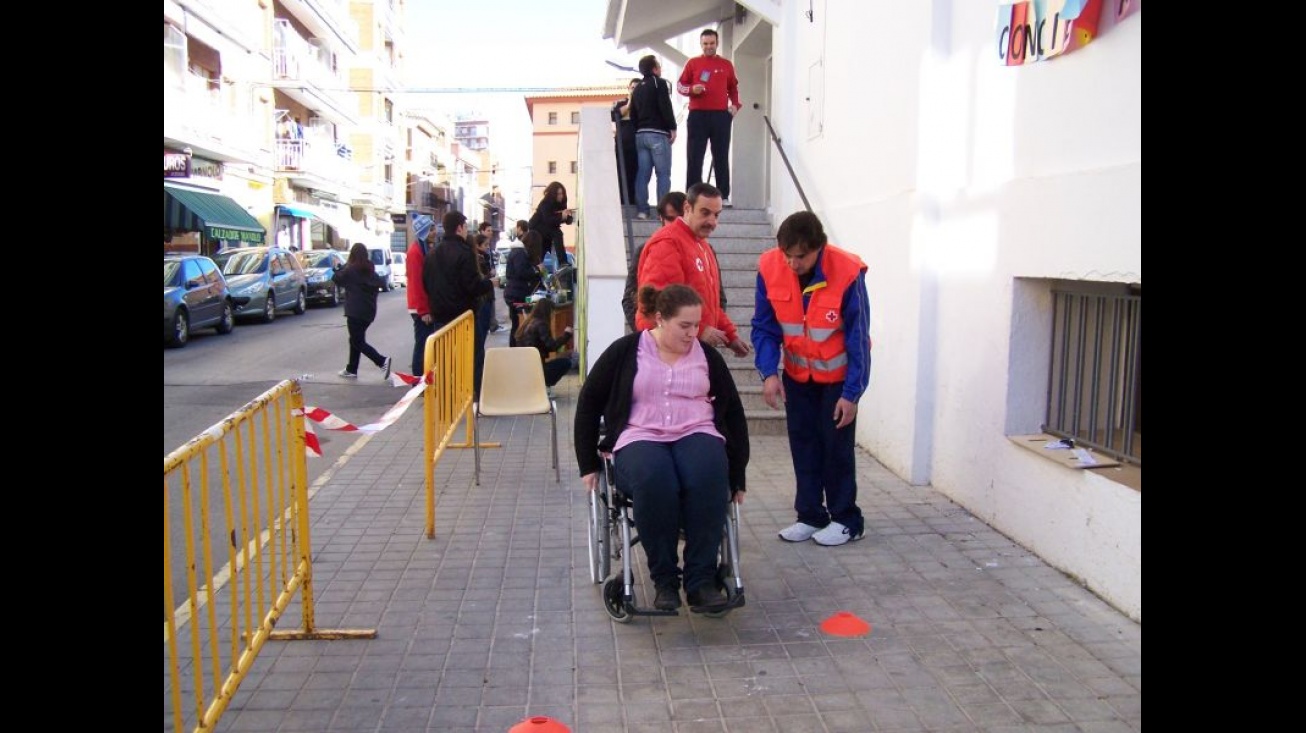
x=709, y=126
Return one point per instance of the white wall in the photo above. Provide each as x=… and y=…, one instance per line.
x=601, y=244
x=956, y=178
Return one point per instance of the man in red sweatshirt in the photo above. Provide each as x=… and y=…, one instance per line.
x=713, y=90
x=680, y=253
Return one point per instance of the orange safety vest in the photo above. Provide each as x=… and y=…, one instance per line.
x=813, y=339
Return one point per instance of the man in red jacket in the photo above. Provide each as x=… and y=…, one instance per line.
x=713, y=90
x=680, y=253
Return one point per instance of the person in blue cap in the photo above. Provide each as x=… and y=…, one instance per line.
x=418, y=305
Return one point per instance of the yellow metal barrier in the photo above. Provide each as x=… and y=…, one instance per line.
x=259, y=515
x=448, y=398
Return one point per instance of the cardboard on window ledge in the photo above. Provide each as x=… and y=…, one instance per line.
x=1068, y=457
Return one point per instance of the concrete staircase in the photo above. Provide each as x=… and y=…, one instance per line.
x=741, y=236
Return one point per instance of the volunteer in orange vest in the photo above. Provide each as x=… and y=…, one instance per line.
x=813, y=320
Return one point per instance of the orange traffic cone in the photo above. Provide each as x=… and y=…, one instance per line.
x=844, y=623
x=539, y=724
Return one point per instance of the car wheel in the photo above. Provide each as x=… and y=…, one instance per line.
x=270, y=308
x=301, y=303
x=180, y=328
x=228, y=319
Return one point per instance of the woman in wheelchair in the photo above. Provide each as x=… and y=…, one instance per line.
x=674, y=424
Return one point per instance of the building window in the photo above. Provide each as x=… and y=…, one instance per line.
x=573, y=167
x=553, y=166
x=575, y=118
x=553, y=118
x=1095, y=372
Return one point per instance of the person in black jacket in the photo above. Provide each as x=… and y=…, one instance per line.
x=454, y=282
x=675, y=426
x=361, y=284
x=627, y=162
x=655, y=131
x=549, y=216
x=523, y=275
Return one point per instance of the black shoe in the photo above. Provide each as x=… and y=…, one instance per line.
x=668, y=598
x=706, y=598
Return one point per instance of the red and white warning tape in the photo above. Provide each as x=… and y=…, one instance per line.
x=330, y=422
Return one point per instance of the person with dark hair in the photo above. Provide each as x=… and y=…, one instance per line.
x=549, y=216
x=454, y=282
x=680, y=253
x=484, y=242
x=523, y=275
x=625, y=144
x=713, y=90
x=670, y=207
x=520, y=229
x=361, y=284
x=537, y=331
x=655, y=132
x=812, y=322
x=674, y=424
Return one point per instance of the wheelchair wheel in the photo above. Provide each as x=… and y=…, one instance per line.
x=600, y=535
x=614, y=601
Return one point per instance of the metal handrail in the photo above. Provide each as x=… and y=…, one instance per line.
x=785, y=158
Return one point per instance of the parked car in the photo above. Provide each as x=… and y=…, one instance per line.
x=195, y=296
x=264, y=280
x=318, y=266
x=382, y=257
x=399, y=269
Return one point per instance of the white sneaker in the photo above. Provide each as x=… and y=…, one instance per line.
x=798, y=532
x=725, y=203
x=347, y=374
x=836, y=534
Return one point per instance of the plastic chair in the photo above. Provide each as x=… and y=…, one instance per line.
x=512, y=383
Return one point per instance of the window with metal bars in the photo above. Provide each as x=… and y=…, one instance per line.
x=1095, y=376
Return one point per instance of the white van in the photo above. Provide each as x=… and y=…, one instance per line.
x=383, y=261
x=399, y=269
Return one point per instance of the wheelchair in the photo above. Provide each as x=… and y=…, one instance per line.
x=612, y=537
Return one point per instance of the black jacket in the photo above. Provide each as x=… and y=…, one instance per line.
x=548, y=219
x=452, y=279
x=537, y=334
x=650, y=105
x=361, y=288
x=523, y=278
x=606, y=394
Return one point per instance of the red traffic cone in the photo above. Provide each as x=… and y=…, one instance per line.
x=844, y=623
x=539, y=724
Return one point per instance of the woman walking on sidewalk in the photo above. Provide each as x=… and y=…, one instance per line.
x=361, y=285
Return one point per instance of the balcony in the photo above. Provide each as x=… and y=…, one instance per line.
x=316, y=162
x=207, y=115
x=301, y=69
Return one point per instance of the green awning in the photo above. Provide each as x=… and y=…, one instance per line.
x=216, y=215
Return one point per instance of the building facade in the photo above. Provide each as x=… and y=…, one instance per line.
x=991, y=195
x=555, y=125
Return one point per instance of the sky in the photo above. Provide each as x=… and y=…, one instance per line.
x=513, y=46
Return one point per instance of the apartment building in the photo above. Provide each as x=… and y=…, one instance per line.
x=284, y=123
x=555, y=127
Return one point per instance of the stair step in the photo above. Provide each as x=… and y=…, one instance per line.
x=766, y=422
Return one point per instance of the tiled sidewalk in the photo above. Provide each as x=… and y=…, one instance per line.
x=495, y=619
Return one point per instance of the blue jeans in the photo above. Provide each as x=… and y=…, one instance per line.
x=673, y=485
x=653, y=152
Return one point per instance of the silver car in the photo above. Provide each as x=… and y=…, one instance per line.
x=264, y=280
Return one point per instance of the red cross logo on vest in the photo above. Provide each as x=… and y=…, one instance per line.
x=831, y=316
x=698, y=262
